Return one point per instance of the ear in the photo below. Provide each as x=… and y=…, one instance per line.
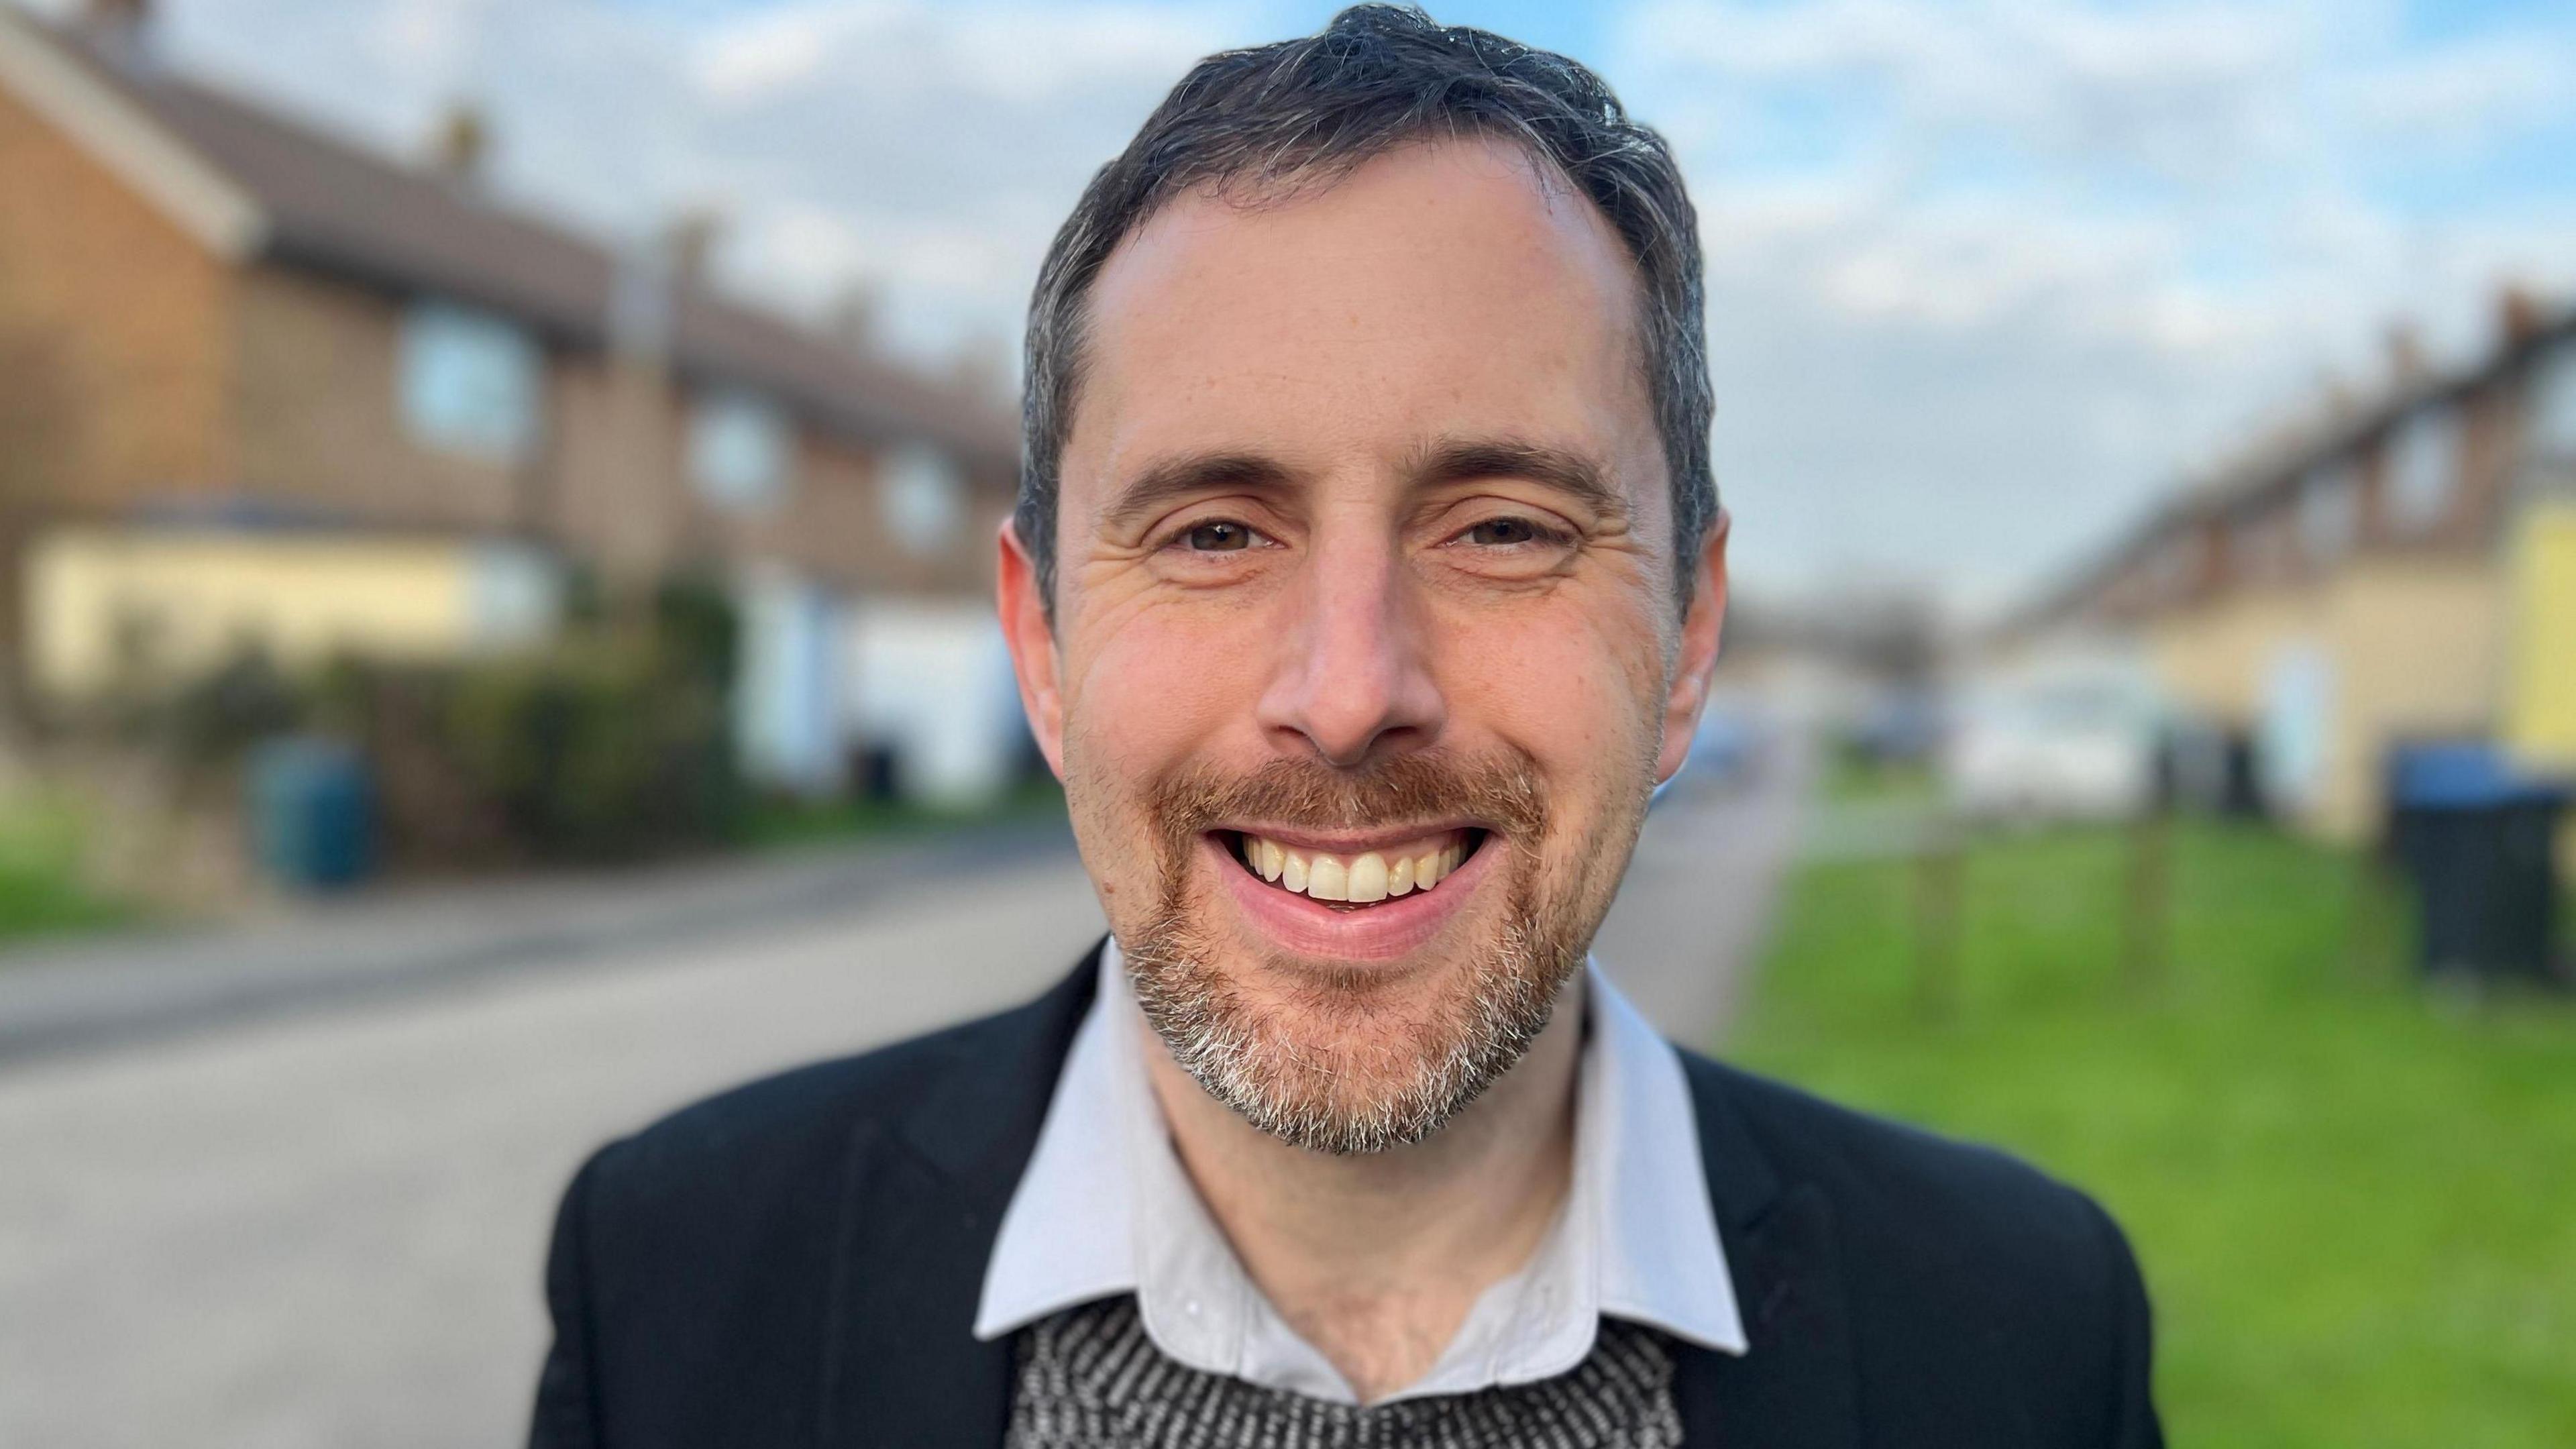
x=1696, y=659
x=1026, y=628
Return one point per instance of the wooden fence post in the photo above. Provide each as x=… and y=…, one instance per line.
x=2146, y=943
x=1939, y=872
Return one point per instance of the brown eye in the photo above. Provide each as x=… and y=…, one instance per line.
x=1219, y=537
x=1503, y=532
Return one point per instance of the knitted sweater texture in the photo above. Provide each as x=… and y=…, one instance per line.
x=1090, y=1378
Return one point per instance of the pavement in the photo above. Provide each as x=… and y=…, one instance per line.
x=140, y=985
x=1697, y=898
x=299, y=1198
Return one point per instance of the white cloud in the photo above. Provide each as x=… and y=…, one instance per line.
x=2463, y=97
x=1020, y=55
x=2178, y=91
x=779, y=49
x=2030, y=263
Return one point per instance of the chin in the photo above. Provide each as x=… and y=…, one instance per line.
x=1344, y=1031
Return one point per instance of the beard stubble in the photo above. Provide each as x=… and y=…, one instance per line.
x=1342, y=1059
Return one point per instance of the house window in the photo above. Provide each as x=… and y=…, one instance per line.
x=742, y=451
x=2423, y=464
x=469, y=381
x=2328, y=514
x=924, y=499
x=2553, y=404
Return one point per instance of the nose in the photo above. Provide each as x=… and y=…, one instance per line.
x=1353, y=678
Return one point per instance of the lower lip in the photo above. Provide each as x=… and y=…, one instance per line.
x=1306, y=927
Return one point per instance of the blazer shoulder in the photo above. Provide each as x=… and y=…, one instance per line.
x=1978, y=1284
x=1930, y=1225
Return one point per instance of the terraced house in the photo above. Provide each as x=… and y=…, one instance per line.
x=261, y=383
x=2402, y=570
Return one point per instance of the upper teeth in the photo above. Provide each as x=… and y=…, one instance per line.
x=1371, y=875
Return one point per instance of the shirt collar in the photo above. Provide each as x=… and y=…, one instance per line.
x=1105, y=1208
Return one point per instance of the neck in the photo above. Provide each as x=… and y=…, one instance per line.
x=1376, y=1258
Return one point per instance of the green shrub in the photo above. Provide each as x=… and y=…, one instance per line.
x=612, y=743
x=600, y=749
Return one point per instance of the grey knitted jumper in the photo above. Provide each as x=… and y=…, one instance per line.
x=1090, y=1378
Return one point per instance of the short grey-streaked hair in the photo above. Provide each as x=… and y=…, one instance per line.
x=1316, y=108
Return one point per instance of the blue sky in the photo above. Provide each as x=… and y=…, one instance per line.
x=1986, y=276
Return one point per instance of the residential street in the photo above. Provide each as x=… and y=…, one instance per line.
x=322, y=1228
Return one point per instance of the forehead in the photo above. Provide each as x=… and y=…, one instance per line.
x=1443, y=289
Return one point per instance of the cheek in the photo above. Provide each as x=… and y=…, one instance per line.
x=1154, y=692
x=1581, y=697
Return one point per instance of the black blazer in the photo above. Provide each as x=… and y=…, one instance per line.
x=797, y=1263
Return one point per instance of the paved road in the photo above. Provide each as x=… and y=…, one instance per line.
x=323, y=1230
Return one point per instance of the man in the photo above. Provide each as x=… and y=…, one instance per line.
x=1366, y=578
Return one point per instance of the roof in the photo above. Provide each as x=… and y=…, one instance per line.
x=2280, y=463
x=322, y=203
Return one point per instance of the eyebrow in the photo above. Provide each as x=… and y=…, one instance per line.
x=1570, y=473
x=1446, y=461
x=1177, y=478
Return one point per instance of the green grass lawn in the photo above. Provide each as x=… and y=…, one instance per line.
x=1847, y=779
x=40, y=886
x=2356, y=1205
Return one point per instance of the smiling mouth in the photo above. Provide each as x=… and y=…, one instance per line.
x=1355, y=880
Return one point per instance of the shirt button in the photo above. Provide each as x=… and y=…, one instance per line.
x=1191, y=1308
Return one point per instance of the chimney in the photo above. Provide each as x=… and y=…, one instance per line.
x=2407, y=364
x=121, y=30
x=690, y=243
x=116, y=12
x=461, y=144
x=639, y=304
x=2520, y=317
x=2337, y=399
x=852, y=318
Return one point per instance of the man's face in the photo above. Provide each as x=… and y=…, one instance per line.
x=1365, y=657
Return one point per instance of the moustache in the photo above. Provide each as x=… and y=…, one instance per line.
x=1500, y=792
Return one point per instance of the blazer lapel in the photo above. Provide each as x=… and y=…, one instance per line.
x=921, y=1203
x=1797, y=1386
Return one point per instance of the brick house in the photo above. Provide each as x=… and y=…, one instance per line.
x=210, y=312
x=2400, y=569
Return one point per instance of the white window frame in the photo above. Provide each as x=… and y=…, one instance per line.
x=2424, y=469
x=742, y=450
x=921, y=496
x=470, y=381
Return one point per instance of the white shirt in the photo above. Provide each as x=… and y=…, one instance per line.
x=1106, y=1208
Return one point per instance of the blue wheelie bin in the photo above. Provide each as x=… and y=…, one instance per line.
x=312, y=812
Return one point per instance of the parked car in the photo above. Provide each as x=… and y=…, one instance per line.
x=2072, y=741
x=1900, y=728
